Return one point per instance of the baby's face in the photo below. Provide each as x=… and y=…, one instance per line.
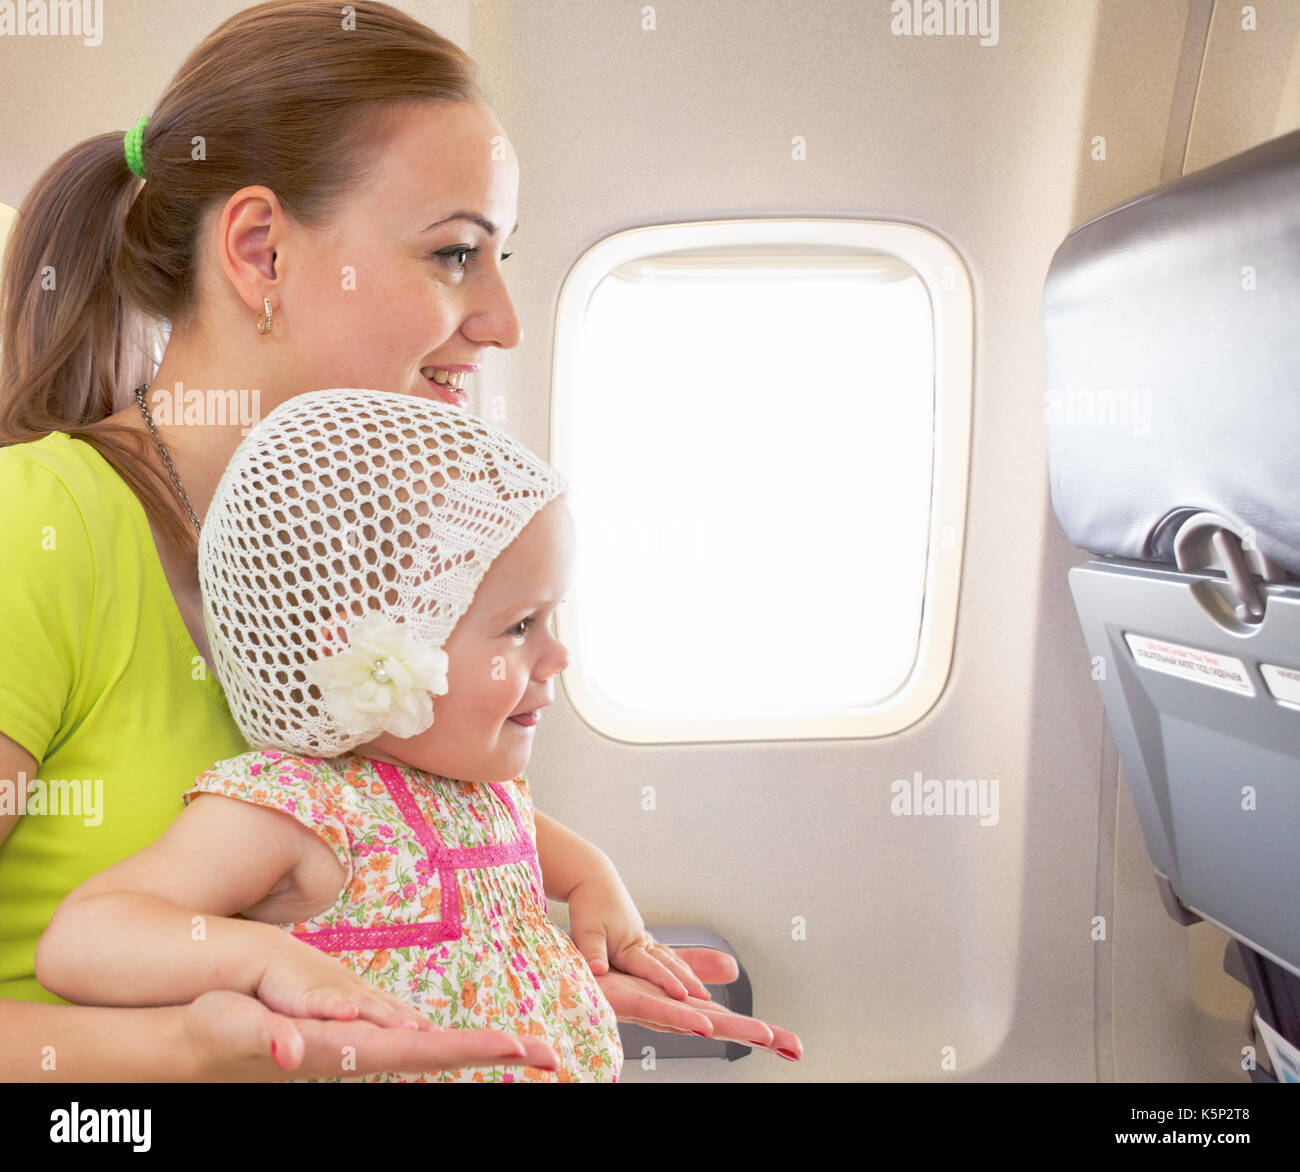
x=502, y=658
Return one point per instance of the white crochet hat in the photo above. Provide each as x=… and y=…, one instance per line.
x=383, y=506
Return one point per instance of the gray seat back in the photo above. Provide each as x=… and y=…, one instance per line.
x=1172, y=331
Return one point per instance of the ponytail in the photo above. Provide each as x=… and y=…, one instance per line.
x=71, y=350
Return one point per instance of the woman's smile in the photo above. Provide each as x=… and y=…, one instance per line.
x=448, y=382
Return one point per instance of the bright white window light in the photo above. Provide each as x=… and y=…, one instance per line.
x=751, y=416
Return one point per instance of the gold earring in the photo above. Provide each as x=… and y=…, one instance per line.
x=264, y=319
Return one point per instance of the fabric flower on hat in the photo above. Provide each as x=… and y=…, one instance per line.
x=381, y=680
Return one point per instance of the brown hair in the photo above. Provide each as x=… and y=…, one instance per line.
x=284, y=95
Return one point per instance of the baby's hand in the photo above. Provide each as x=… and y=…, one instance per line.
x=607, y=929
x=301, y=981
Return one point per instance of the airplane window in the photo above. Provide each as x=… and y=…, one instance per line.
x=749, y=416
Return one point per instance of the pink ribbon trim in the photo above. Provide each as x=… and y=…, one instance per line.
x=446, y=861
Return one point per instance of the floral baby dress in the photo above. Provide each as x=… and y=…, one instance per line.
x=442, y=905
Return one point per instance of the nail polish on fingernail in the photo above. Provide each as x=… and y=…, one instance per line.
x=272, y=1049
x=698, y=1034
x=788, y=1054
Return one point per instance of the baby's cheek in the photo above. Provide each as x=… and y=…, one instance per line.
x=483, y=699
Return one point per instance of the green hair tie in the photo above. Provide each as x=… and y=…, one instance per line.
x=134, y=145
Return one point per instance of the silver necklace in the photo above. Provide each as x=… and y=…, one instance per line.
x=162, y=451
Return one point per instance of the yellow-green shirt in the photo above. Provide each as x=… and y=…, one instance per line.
x=99, y=681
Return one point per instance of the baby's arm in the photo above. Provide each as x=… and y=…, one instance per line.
x=603, y=920
x=153, y=929
x=566, y=858
x=127, y=936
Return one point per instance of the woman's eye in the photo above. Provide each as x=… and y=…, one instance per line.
x=458, y=251
x=465, y=250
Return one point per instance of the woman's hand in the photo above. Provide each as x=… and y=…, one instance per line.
x=651, y=985
x=609, y=932
x=301, y=981
x=645, y=1004
x=234, y=1038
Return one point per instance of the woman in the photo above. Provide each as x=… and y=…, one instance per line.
x=338, y=180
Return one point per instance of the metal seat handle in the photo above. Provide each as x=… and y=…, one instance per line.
x=1189, y=554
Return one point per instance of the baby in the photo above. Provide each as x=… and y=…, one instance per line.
x=364, y=554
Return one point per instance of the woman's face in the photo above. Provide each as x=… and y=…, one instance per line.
x=383, y=300
x=502, y=658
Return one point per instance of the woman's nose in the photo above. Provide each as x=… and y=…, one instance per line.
x=492, y=320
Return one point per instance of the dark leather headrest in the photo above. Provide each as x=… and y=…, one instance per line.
x=1172, y=330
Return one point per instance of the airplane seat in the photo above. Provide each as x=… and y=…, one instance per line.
x=1172, y=343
